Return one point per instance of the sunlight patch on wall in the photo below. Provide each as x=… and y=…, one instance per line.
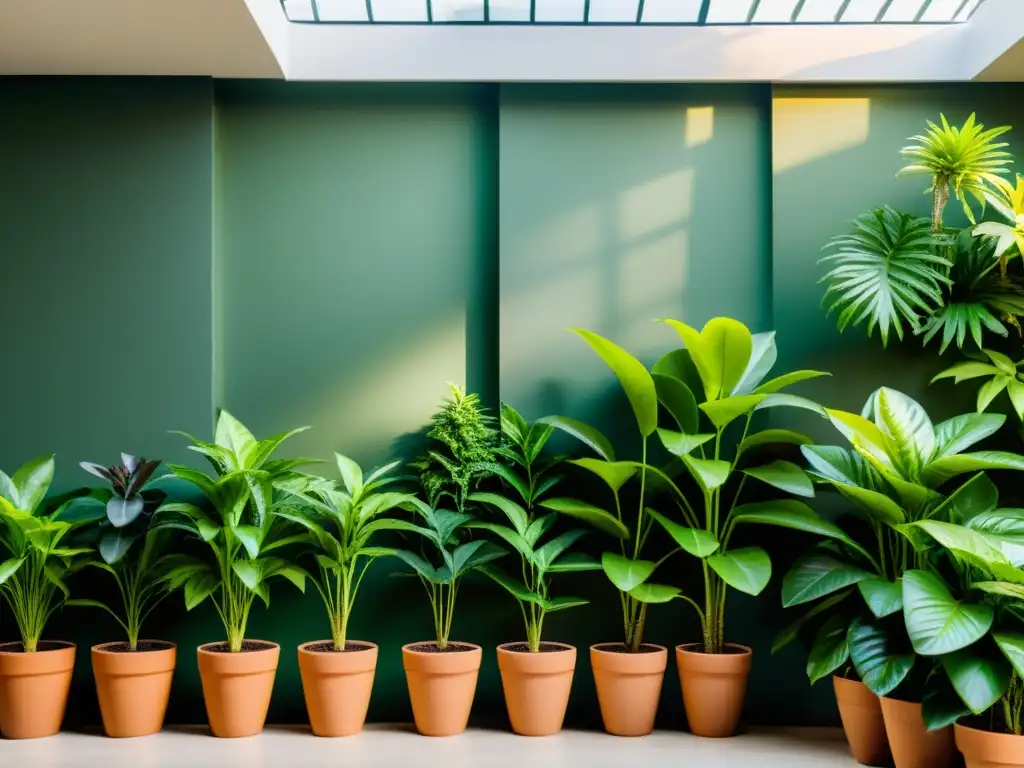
x=662, y=202
x=700, y=125
x=805, y=130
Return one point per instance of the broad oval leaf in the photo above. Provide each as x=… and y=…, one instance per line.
x=418, y=564
x=818, y=574
x=654, y=593
x=33, y=480
x=748, y=569
x=199, y=587
x=1012, y=646
x=907, y=423
x=697, y=542
x=679, y=401
x=585, y=433
x=961, y=432
x=876, y=505
x=251, y=538
x=9, y=567
x=515, y=513
x=773, y=437
x=691, y=338
x=725, y=347
x=830, y=649
x=948, y=467
x=551, y=551
x=789, y=513
x=632, y=375
x=763, y=355
x=588, y=513
x=785, y=476
x=121, y=512
x=709, y=473
x=1005, y=529
x=248, y=573
x=879, y=657
x=614, y=473
x=114, y=545
x=351, y=475
x=979, y=678
x=936, y=621
x=679, y=444
x=882, y=597
x=792, y=630
x=624, y=573
x=960, y=539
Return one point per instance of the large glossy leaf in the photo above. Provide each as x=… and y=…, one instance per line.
x=1012, y=646
x=678, y=364
x=941, y=706
x=773, y=437
x=679, y=401
x=763, y=355
x=351, y=475
x=624, y=573
x=82, y=510
x=880, y=657
x=783, y=400
x=679, y=444
x=864, y=435
x=466, y=556
x=817, y=574
x=960, y=539
x=791, y=631
x=748, y=569
x=726, y=346
x=418, y=564
x=723, y=412
x=947, y=467
x=516, y=588
x=113, y=545
x=710, y=380
x=883, y=597
x=122, y=512
x=200, y=586
x=936, y=621
x=979, y=678
x=585, y=433
x=9, y=567
x=961, y=432
x=614, y=473
x=785, y=476
x=789, y=513
x=977, y=495
x=573, y=562
x=33, y=481
x=654, y=593
x=874, y=504
x=234, y=437
x=597, y=517
x=515, y=513
x=839, y=465
x=787, y=380
x=1004, y=528
x=830, y=649
x=709, y=473
x=551, y=551
x=632, y=375
x=907, y=424
x=697, y=542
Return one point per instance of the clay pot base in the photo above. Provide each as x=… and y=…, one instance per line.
x=133, y=686
x=912, y=745
x=237, y=686
x=34, y=688
x=442, y=685
x=628, y=686
x=536, y=686
x=982, y=749
x=714, y=688
x=861, y=714
x=337, y=685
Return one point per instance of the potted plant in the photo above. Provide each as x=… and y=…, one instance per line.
x=35, y=674
x=897, y=478
x=244, y=534
x=536, y=675
x=442, y=674
x=337, y=674
x=133, y=676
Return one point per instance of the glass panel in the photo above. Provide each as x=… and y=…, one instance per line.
x=458, y=10
x=399, y=10
x=903, y=10
x=770, y=11
x=668, y=11
x=342, y=10
x=728, y=11
x=559, y=10
x=819, y=11
x=941, y=10
x=614, y=10
x=968, y=9
x=510, y=10
x=863, y=11
x=298, y=10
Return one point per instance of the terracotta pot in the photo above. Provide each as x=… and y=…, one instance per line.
x=237, y=686
x=441, y=686
x=337, y=685
x=536, y=686
x=628, y=686
x=34, y=688
x=714, y=687
x=982, y=749
x=861, y=713
x=911, y=744
x=133, y=686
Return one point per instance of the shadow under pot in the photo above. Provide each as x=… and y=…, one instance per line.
x=536, y=685
x=442, y=685
x=133, y=686
x=984, y=749
x=861, y=713
x=237, y=686
x=912, y=744
x=628, y=686
x=714, y=687
x=34, y=688
x=337, y=685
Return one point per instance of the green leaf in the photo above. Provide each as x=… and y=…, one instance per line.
x=977, y=495
x=82, y=510
x=351, y=475
x=782, y=400
x=879, y=657
x=561, y=603
x=817, y=574
x=988, y=391
x=251, y=538
x=510, y=477
x=876, y=505
x=907, y=423
x=978, y=678
x=1012, y=646
x=113, y=545
x=9, y=567
x=830, y=649
x=948, y=467
x=679, y=364
x=710, y=379
x=789, y=513
x=961, y=432
x=725, y=347
x=515, y=513
x=792, y=630
x=199, y=587
x=233, y=436
x=294, y=574
x=773, y=437
x=624, y=573
x=584, y=433
x=787, y=380
x=654, y=593
x=679, y=444
x=632, y=375
x=679, y=401
x=959, y=538
x=697, y=542
x=466, y=555
x=936, y=621
x=547, y=554
x=941, y=706
x=33, y=481
x=785, y=476
x=516, y=588
x=965, y=371
x=598, y=518
x=883, y=598
x=614, y=473
x=748, y=569
x=763, y=356
x=573, y=562
x=709, y=473
x=724, y=412
x=327, y=562
x=539, y=527
x=248, y=573
x=418, y=564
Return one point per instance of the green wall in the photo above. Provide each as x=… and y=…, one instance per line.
x=332, y=255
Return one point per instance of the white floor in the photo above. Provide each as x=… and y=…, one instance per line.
x=399, y=746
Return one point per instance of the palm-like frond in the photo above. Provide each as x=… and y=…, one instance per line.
x=884, y=273
x=968, y=157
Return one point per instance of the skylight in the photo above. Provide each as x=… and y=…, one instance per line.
x=679, y=12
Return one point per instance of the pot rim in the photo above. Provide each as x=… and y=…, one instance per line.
x=657, y=649
x=411, y=647
x=990, y=734
x=744, y=650
x=367, y=646
x=204, y=648
x=562, y=647
x=65, y=645
x=101, y=648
